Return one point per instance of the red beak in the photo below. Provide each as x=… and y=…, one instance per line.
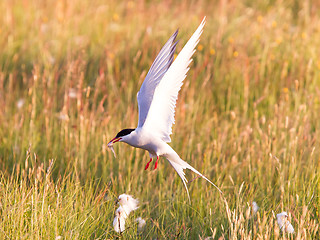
x=114, y=140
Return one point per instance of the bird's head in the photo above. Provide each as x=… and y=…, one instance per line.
x=121, y=136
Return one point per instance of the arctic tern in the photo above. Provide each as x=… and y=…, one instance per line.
x=157, y=99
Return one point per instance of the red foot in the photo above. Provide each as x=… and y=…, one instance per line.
x=148, y=164
x=156, y=164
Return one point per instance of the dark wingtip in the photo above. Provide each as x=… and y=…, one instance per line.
x=174, y=35
x=174, y=46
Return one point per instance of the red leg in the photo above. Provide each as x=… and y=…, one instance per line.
x=156, y=164
x=148, y=164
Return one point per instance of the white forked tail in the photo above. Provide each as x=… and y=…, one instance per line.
x=179, y=165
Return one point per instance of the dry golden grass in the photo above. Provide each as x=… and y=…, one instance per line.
x=247, y=117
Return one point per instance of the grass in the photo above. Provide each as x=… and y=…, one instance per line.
x=247, y=117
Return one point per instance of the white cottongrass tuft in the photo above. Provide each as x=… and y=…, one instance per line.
x=127, y=205
x=20, y=103
x=119, y=220
x=72, y=93
x=63, y=117
x=141, y=223
x=255, y=207
x=283, y=222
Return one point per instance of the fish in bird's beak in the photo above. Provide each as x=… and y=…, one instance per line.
x=110, y=145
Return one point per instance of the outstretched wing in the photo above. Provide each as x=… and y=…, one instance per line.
x=162, y=109
x=157, y=70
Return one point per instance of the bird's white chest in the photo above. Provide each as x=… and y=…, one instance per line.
x=147, y=141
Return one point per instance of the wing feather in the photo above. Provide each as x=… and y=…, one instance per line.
x=162, y=108
x=157, y=70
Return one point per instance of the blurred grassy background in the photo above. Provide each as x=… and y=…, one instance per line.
x=247, y=117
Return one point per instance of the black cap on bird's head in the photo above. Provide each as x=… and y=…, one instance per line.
x=120, y=134
x=124, y=132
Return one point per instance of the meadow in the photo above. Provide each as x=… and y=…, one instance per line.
x=247, y=117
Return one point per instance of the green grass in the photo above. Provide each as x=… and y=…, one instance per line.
x=247, y=117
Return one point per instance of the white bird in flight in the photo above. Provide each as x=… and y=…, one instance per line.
x=157, y=99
